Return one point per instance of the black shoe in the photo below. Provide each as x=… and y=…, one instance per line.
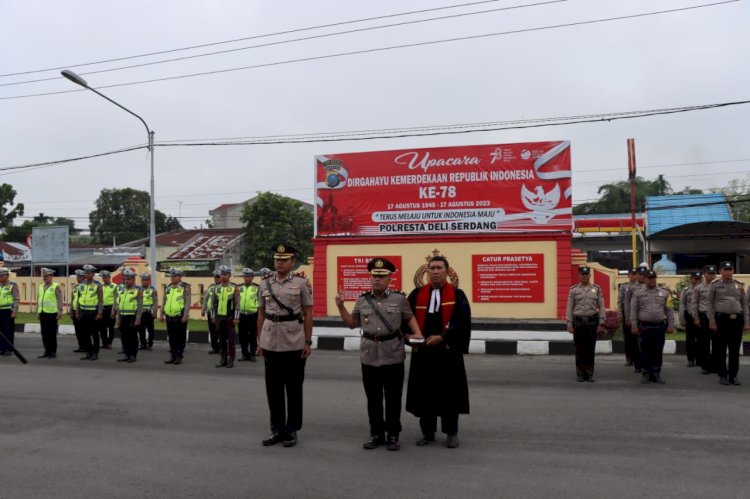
x=170, y=361
x=691, y=363
x=94, y=357
x=591, y=379
x=724, y=381
x=79, y=350
x=580, y=379
x=150, y=346
x=253, y=358
x=121, y=352
x=124, y=359
x=211, y=352
x=52, y=356
x=659, y=380
x=243, y=359
x=106, y=347
x=425, y=440
x=274, y=438
x=230, y=363
x=705, y=371
x=637, y=369
x=291, y=439
x=374, y=442
x=177, y=361
x=6, y=353
x=43, y=356
x=645, y=379
x=628, y=363
x=222, y=363
x=392, y=443
x=130, y=360
x=735, y=382
x=452, y=441
x=86, y=357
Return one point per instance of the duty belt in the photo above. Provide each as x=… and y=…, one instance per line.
x=382, y=337
x=730, y=316
x=652, y=324
x=284, y=318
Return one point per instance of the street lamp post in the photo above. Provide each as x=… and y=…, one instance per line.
x=70, y=75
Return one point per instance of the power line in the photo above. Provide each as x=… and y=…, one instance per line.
x=382, y=49
x=254, y=37
x=292, y=40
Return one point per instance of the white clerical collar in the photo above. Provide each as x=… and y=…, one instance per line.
x=434, y=301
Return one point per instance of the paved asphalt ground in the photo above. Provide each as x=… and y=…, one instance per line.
x=100, y=429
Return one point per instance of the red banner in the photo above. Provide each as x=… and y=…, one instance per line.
x=508, y=278
x=354, y=279
x=498, y=188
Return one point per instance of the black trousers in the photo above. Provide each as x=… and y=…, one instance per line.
x=79, y=333
x=90, y=332
x=247, y=331
x=705, y=343
x=448, y=424
x=632, y=352
x=177, y=334
x=379, y=382
x=691, y=337
x=129, y=335
x=728, y=336
x=147, y=324
x=48, y=323
x=225, y=329
x=584, y=338
x=107, y=326
x=213, y=334
x=8, y=327
x=652, y=347
x=285, y=374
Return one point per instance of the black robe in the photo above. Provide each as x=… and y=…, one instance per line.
x=437, y=376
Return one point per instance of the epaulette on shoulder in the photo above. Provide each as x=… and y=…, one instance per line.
x=184, y=284
x=267, y=276
x=399, y=291
x=574, y=285
x=365, y=293
x=301, y=274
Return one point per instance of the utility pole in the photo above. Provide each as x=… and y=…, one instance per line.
x=631, y=176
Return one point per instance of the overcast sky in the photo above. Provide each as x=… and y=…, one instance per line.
x=676, y=59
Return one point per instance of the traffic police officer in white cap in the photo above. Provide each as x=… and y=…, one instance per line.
x=128, y=311
x=9, y=301
x=49, y=310
x=176, y=310
x=246, y=318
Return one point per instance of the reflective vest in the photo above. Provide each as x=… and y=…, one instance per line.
x=108, y=294
x=6, y=296
x=127, y=301
x=47, y=298
x=210, y=297
x=148, y=297
x=74, y=296
x=174, y=304
x=248, y=299
x=224, y=295
x=88, y=296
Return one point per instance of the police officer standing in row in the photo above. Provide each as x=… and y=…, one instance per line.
x=9, y=301
x=128, y=311
x=700, y=316
x=207, y=311
x=49, y=310
x=629, y=292
x=176, y=310
x=631, y=342
x=284, y=337
x=380, y=313
x=73, y=308
x=651, y=316
x=89, y=312
x=150, y=304
x=107, y=323
x=727, y=317
x=246, y=318
x=686, y=316
x=222, y=315
x=585, y=315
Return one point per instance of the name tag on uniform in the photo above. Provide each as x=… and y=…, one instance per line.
x=593, y=290
x=733, y=316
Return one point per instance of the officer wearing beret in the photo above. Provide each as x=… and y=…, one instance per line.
x=107, y=323
x=704, y=357
x=585, y=314
x=639, y=283
x=686, y=316
x=631, y=342
x=651, y=316
x=9, y=301
x=128, y=310
x=246, y=318
x=150, y=305
x=284, y=338
x=49, y=310
x=207, y=311
x=89, y=312
x=380, y=313
x=176, y=310
x=727, y=317
x=73, y=306
x=223, y=313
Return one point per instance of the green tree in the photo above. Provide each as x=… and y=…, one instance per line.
x=615, y=197
x=271, y=218
x=18, y=233
x=123, y=215
x=8, y=213
x=738, y=196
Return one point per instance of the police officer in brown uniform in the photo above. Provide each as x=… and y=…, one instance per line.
x=380, y=313
x=284, y=338
x=727, y=317
x=631, y=342
x=700, y=317
x=585, y=315
x=651, y=316
x=686, y=316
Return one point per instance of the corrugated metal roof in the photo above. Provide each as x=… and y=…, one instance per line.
x=206, y=247
x=665, y=212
